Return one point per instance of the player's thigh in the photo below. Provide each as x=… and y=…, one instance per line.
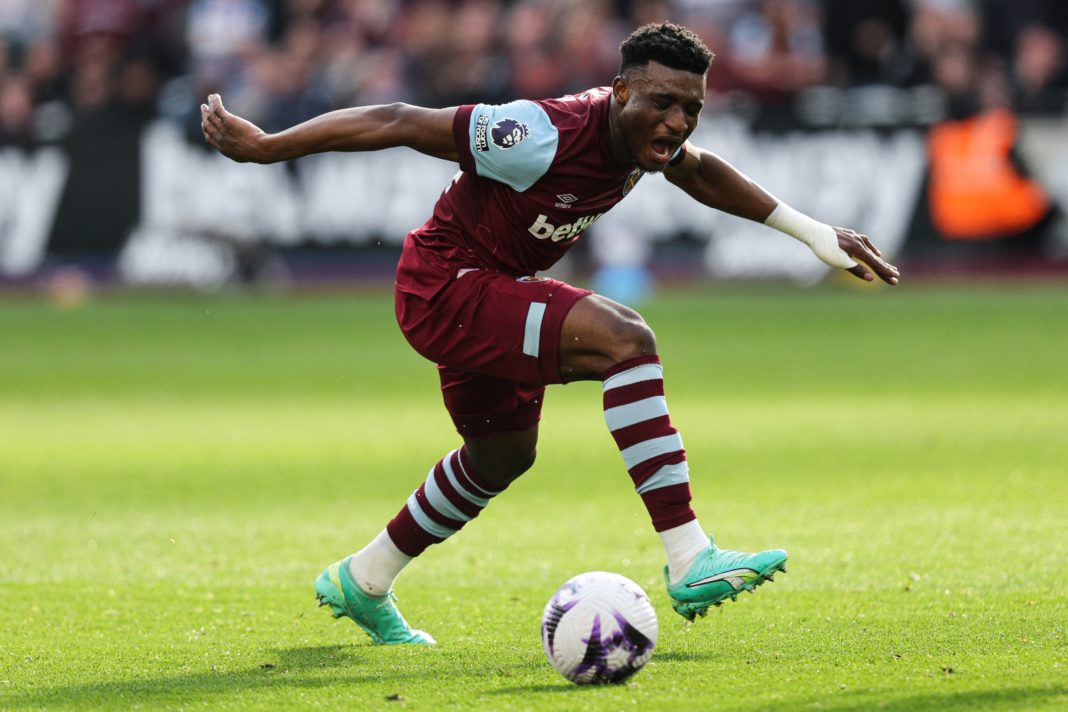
x=492, y=324
x=483, y=406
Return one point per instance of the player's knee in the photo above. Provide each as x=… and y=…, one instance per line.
x=600, y=333
x=520, y=464
x=504, y=470
x=500, y=466
x=631, y=338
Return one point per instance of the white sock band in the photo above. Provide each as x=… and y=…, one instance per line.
x=683, y=544
x=375, y=566
x=820, y=238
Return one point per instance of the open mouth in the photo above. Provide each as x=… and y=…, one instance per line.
x=663, y=150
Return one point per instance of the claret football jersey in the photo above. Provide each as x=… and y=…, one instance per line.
x=534, y=176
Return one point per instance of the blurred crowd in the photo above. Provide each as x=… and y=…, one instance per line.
x=63, y=62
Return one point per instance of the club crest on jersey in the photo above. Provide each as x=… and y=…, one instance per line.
x=507, y=133
x=632, y=180
x=530, y=278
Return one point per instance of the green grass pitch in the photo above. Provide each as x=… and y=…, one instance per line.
x=175, y=472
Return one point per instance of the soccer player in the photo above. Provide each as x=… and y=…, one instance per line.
x=534, y=175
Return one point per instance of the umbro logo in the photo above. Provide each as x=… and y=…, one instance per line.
x=564, y=200
x=736, y=578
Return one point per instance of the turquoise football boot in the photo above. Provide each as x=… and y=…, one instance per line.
x=719, y=574
x=375, y=614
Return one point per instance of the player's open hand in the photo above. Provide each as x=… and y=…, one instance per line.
x=867, y=255
x=229, y=134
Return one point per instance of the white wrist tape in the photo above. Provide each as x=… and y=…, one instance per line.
x=820, y=238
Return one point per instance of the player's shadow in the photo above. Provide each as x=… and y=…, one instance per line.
x=665, y=658
x=560, y=687
x=687, y=656
x=992, y=699
x=1004, y=698
x=281, y=668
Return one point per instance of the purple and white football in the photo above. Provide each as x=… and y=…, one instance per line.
x=599, y=627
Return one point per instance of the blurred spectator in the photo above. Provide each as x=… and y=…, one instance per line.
x=589, y=46
x=938, y=27
x=27, y=20
x=281, y=61
x=1005, y=20
x=457, y=59
x=527, y=36
x=290, y=78
x=16, y=112
x=866, y=41
x=42, y=67
x=219, y=32
x=1037, y=70
x=777, y=49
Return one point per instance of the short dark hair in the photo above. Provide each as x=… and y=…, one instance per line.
x=667, y=43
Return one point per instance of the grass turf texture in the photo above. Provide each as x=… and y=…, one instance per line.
x=175, y=473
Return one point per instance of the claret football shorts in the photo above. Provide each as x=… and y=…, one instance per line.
x=496, y=340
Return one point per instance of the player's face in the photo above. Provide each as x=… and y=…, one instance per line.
x=656, y=110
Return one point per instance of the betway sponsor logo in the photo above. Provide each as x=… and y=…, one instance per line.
x=545, y=230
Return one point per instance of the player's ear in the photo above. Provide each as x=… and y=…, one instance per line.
x=621, y=90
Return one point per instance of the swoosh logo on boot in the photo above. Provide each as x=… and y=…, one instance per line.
x=735, y=577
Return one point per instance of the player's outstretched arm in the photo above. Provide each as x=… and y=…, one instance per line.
x=710, y=180
x=365, y=128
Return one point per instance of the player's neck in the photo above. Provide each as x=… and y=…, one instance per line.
x=615, y=135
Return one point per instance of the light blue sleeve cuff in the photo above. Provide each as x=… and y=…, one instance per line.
x=513, y=143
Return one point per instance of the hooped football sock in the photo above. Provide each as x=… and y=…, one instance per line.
x=374, y=567
x=453, y=494
x=636, y=413
x=683, y=544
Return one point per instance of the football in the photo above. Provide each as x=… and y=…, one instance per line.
x=599, y=627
